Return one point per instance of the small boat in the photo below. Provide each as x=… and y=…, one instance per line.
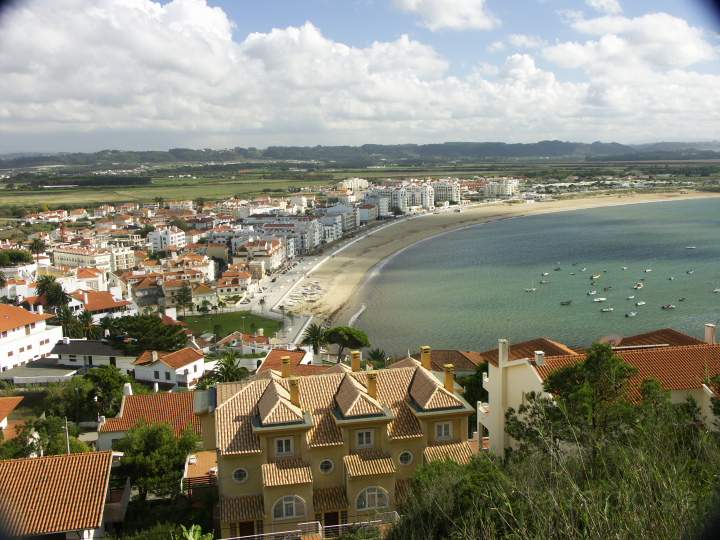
x=668, y=306
x=591, y=293
x=690, y=247
x=545, y=274
x=557, y=269
x=690, y=272
x=572, y=273
x=682, y=299
x=599, y=299
x=607, y=309
x=631, y=314
x=671, y=278
x=532, y=288
x=716, y=291
x=595, y=276
x=607, y=288
x=638, y=285
x=623, y=267
x=640, y=303
x=566, y=302
x=631, y=297
x=648, y=270
x=583, y=269
x=543, y=282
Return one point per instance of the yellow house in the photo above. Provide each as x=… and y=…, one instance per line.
x=334, y=448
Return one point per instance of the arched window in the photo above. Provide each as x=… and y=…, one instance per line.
x=288, y=507
x=372, y=497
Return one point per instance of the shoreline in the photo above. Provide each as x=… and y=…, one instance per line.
x=347, y=271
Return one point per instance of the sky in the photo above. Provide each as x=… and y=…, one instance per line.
x=143, y=74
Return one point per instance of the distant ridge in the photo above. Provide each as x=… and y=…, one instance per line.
x=378, y=154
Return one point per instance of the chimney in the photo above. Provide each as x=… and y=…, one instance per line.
x=710, y=333
x=154, y=355
x=294, y=391
x=66, y=340
x=127, y=389
x=285, y=369
x=502, y=352
x=40, y=309
x=372, y=384
x=355, y=362
x=156, y=387
x=449, y=377
x=539, y=358
x=426, y=357
x=85, y=298
x=260, y=332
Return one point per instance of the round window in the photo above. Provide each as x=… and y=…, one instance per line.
x=326, y=466
x=406, y=458
x=240, y=475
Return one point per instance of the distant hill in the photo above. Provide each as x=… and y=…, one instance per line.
x=378, y=154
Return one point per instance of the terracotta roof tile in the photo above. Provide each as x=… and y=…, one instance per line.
x=54, y=494
x=664, y=336
x=676, y=368
x=237, y=509
x=353, y=400
x=174, y=408
x=286, y=472
x=175, y=360
x=369, y=463
x=274, y=359
x=462, y=360
x=8, y=405
x=12, y=317
x=429, y=394
x=329, y=499
x=98, y=300
x=274, y=406
x=526, y=349
x=460, y=452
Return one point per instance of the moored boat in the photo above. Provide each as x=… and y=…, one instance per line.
x=607, y=309
x=631, y=314
x=600, y=299
x=640, y=303
x=566, y=302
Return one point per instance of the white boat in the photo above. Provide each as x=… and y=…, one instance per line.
x=624, y=267
x=631, y=297
x=545, y=274
x=607, y=309
x=690, y=247
x=671, y=278
x=640, y=303
x=668, y=306
x=592, y=293
x=599, y=299
x=716, y=291
x=532, y=288
x=595, y=276
x=638, y=285
x=690, y=272
x=631, y=314
x=583, y=269
x=648, y=270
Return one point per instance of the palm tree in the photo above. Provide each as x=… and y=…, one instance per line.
x=87, y=324
x=53, y=292
x=314, y=336
x=377, y=358
x=70, y=325
x=228, y=370
x=37, y=246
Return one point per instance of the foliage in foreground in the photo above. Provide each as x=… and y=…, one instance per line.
x=590, y=464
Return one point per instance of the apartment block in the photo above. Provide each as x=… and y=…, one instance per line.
x=25, y=336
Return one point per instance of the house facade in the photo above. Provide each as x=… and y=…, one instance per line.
x=181, y=368
x=336, y=448
x=25, y=336
x=89, y=353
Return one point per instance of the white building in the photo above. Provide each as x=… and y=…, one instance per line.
x=502, y=188
x=422, y=195
x=74, y=257
x=88, y=353
x=446, y=190
x=397, y=197
x=25, y=336
x=354, y=184
x=332, y=228
x=181, y=368
x=161, y=239
x=122, y=258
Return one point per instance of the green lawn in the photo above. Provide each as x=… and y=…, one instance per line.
x=230, y=322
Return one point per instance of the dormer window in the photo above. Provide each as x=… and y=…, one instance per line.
x=365, y=439
x=284, y=447
x=443, y=431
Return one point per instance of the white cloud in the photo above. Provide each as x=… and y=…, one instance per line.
x=524, y=41
x=136, y=73
x=453, y=14
x=496, y=46
x=611, y=7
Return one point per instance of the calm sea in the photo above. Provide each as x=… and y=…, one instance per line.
x=466, y=289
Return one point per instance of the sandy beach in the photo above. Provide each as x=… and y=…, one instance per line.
x=341, y=275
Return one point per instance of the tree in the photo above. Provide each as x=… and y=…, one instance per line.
x=138, y=333
x=108, y=383
x=49, y=288
x=14, y=257
x=346, y=337
x=184, y=297
x=154, y=458
x=377, y=358
x=194, y=532
x=3, y=280
x=43, y=436
x=180, y=224
x=37, y=246
x=314, y=336
x=70, y=324
x=87, y=325
x=226, y=369
x=72, y=399
x=145, y=230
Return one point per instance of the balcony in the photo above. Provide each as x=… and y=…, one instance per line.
x=116, y=503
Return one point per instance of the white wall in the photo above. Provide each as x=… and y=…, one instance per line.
x=35, y=344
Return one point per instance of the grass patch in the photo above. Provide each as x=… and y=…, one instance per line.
x=231, y=322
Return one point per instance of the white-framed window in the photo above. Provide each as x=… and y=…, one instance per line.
x=372, y=497
x=406, y=457
x=364, y=439
x=284, y=447
x=443, y=431
x=289, y=507
x=327, y=466
x=240, y=475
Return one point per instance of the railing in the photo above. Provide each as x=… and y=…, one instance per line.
x=309, y=527
x=365, y=527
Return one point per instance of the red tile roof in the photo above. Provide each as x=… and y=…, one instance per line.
x=8, y=405
x=174, y=408
x=274, y=361
x=526, y=349
x=98, y=300
x=462, y=360
x=54, y=494
x=175, y=360
x=664, y=336
x=676, y=368
x=12, y=317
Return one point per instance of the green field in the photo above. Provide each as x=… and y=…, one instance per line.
x=231, y=322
